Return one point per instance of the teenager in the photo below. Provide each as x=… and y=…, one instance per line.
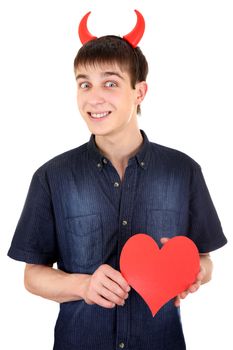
x=84, y=204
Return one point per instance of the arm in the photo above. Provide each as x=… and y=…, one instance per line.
x=207, y=267
x=53, y=284
x=106, y=287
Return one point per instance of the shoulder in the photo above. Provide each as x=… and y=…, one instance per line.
x=172, y=157
x=64, y=161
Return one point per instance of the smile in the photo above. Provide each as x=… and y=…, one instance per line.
x=99, y=115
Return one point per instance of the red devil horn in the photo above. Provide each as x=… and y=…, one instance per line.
x=83, y=32
x=136, y=34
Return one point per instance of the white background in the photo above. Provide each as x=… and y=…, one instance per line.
x=188, y=45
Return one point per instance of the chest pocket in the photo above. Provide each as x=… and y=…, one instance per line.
x=162, y=223
x=85, y=241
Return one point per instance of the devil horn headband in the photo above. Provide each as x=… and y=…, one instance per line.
x=133, y=37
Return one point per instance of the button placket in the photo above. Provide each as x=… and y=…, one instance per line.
x=126, y=210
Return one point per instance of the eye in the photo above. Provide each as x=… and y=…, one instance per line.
x=84, y=85
x=110, y=84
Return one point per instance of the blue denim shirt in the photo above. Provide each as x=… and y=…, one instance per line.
x=79, y=214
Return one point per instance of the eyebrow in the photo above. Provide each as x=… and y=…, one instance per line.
x=104, y=74
x=81, y=76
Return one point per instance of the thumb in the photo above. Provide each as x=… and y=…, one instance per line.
x=164, y=240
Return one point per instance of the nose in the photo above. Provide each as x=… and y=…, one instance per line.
x=96, y=97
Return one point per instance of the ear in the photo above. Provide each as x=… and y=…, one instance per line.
x=141, y=90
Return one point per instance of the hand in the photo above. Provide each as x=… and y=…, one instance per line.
x=193, y=287
x=106, y=287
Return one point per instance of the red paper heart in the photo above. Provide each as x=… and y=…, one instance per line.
x=159, y=275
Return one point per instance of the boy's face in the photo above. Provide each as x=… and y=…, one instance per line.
x=106, y=100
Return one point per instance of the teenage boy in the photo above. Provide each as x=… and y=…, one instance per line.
x=83, y=205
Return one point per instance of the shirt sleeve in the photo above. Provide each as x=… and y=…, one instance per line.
x=34, y=240
x=204, y=225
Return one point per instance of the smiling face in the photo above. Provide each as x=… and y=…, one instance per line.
x=106, y=99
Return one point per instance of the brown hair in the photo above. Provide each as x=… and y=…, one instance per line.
x=113, y=49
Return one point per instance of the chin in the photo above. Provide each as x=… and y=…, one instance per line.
x=99, y=131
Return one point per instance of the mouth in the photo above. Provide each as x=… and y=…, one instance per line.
x=100, y=115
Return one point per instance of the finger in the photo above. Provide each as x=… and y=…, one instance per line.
x=107, y=294
x=201, y=274
x=114, y=288
x=93, y=297
x=194, y=287
x=103, y=302
x=117, y=277
x=177, y=301
x=184, y=294
x=164, y=240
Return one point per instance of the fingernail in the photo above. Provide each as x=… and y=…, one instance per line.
x=128, y=289
x=123, y=303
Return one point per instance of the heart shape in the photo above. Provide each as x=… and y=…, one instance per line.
x=159, y=275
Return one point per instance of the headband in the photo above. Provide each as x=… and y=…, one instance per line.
x=133, y=37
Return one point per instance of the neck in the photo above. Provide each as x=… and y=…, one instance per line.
x=120, y=147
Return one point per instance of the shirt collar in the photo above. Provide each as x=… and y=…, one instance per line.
x=142, y=156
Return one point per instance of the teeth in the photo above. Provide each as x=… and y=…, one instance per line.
x=99, y=115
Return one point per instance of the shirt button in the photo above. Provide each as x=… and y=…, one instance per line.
x=142, y=164
x=105, y=161
x=116, y=184
x=124, y=222
x=99, y=165
x=121, y=345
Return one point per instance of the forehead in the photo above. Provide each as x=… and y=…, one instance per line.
x=101, y=70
